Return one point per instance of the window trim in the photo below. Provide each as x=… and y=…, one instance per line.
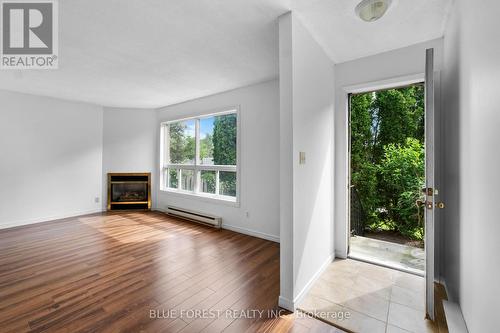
x=197, y=167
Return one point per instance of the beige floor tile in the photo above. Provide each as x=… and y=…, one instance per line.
x=339, y=278
x=341, y=316
x=333, y=292
x=347, y=265
x=313, y=303
x=377, y=272
x=410, y=281
x=372, y=286
x=411, y=298
x=342, y=268
x=358, y=322
x=374, y=297
x=395, y=329
x=409, y=319
x=323, y=309
x=365, y=303
x=370, y=305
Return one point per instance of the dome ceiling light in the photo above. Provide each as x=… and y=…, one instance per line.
x=372, y=10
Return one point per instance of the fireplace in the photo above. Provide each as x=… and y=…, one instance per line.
x=127, y=191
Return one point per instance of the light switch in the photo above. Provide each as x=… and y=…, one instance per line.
x=302, y=157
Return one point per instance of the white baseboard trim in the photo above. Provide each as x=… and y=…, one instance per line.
x=287, y=304
x=340, y=254
x=454, y=317
x=241, y=230
x=443, y=282
x=249, y=232
x=13, y=224
x=453, y=312
x=313, y=279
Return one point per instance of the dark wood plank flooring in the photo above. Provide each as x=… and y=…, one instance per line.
x=107, y=272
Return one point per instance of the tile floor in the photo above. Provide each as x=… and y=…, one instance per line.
x=377, y=299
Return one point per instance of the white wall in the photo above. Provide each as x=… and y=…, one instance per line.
x=130, y=145
x=306, y=96
x=56, y=149
x=472, y=111
x=50, y=158
x=451, y=194
x=259, y=158
x=388, y=68
x=286, y=163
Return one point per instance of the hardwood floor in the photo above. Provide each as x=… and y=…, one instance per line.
x=128, y=272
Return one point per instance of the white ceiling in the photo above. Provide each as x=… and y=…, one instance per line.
x=346, y=37
x=153, y=53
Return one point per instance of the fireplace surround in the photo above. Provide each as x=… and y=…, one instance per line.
x=129, y=191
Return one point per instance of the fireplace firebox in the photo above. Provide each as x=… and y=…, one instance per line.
x=129, y=191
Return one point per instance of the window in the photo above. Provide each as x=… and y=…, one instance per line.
x=199, y=156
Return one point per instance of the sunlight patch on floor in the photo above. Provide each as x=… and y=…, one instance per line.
x=119, y=227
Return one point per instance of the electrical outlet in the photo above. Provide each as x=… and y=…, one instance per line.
x=248, y=214
x=97, y=199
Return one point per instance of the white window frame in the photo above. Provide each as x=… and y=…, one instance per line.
x=197, y=167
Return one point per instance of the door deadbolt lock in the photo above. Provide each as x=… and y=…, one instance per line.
x=440, y=205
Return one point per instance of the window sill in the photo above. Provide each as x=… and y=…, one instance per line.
x=228, y=201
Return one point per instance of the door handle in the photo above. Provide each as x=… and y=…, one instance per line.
x=428, y=204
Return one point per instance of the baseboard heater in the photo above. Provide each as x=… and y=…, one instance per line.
x=190, y=215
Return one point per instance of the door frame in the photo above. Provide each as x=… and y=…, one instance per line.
x=394, y=82
x=342, y=158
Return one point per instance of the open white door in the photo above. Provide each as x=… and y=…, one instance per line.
x=429, y=183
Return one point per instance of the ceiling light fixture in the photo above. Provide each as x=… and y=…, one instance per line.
x=372, y=10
